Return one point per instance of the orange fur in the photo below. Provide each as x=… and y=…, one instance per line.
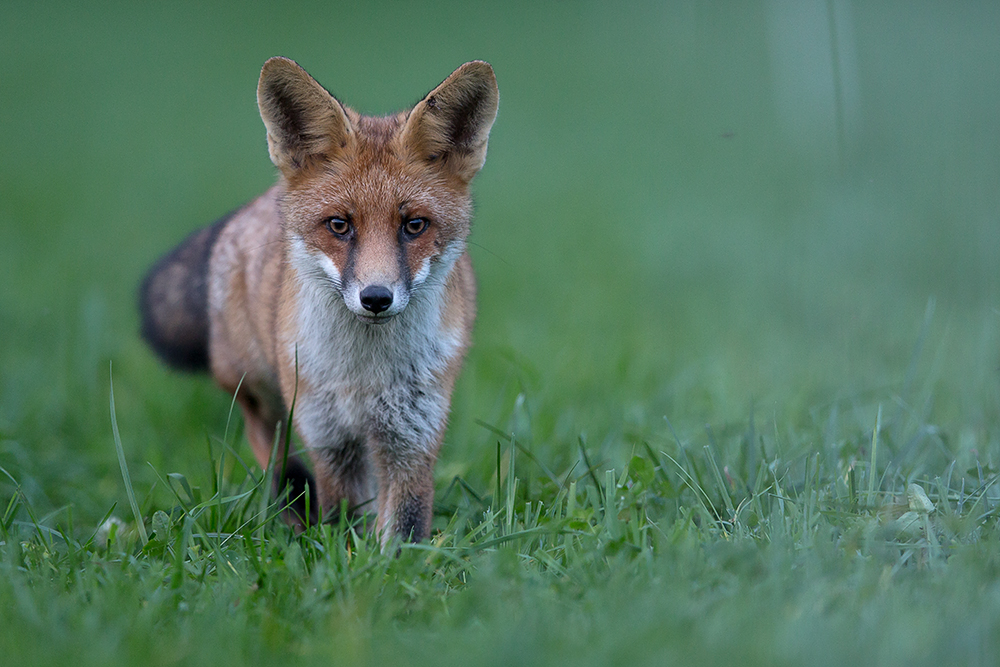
x=345, y=288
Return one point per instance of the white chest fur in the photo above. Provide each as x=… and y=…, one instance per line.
x=364, y=381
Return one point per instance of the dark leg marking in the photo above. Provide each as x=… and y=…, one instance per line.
x=343, y=473
x=303, y=506
x=412, y=518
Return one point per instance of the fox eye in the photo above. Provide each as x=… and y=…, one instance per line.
x=415, y=226
x=338, y=226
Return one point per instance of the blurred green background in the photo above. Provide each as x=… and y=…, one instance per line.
x=691, y=209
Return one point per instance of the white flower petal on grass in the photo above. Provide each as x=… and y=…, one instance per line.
x=919, y=502
x=111, y=526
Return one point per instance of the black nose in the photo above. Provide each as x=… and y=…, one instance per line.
x=376, y=298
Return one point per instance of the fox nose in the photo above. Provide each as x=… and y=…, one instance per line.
x=376, y=298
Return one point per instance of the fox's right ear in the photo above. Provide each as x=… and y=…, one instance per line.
x=303, y=120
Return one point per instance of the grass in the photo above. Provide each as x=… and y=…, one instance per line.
x=734, y=392
x=720, y=551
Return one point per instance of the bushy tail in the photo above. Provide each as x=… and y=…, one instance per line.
x=173, y=301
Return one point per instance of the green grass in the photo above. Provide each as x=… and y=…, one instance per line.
x=735, y=389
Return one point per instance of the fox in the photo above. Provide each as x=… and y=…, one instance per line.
x=342, y=298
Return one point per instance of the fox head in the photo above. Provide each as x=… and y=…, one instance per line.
x=376, y=207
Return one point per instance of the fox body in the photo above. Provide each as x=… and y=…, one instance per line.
x=344, y=294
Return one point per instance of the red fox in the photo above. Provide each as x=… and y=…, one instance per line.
x=345, y=291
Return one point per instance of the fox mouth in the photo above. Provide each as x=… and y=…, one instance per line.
x=374, y=319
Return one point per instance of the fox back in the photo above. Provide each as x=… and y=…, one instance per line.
x=344, y=290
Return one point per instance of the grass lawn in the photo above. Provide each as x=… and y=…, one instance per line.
x=734, y=396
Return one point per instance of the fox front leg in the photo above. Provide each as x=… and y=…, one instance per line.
x=408, y=425
x=405, y=493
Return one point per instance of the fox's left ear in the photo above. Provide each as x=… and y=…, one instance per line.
x=452, y=123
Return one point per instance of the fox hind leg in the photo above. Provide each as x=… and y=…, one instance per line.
x=290, y=474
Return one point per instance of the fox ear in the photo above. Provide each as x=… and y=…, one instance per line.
x=452, y=124
x=303, y=120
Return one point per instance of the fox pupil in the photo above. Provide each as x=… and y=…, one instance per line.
x=415, y=226
x=338, y=226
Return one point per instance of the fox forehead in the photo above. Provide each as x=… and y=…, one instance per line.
x=377, y=181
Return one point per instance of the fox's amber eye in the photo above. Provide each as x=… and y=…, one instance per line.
x=415, y=226
x=338, y=226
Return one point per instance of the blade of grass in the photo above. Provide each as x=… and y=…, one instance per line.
x=511, y=487
x=124, y=466
x=590, y=467
x=723, y=488
x=871, y=468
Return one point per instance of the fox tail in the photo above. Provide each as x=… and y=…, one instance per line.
x=173, y=301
